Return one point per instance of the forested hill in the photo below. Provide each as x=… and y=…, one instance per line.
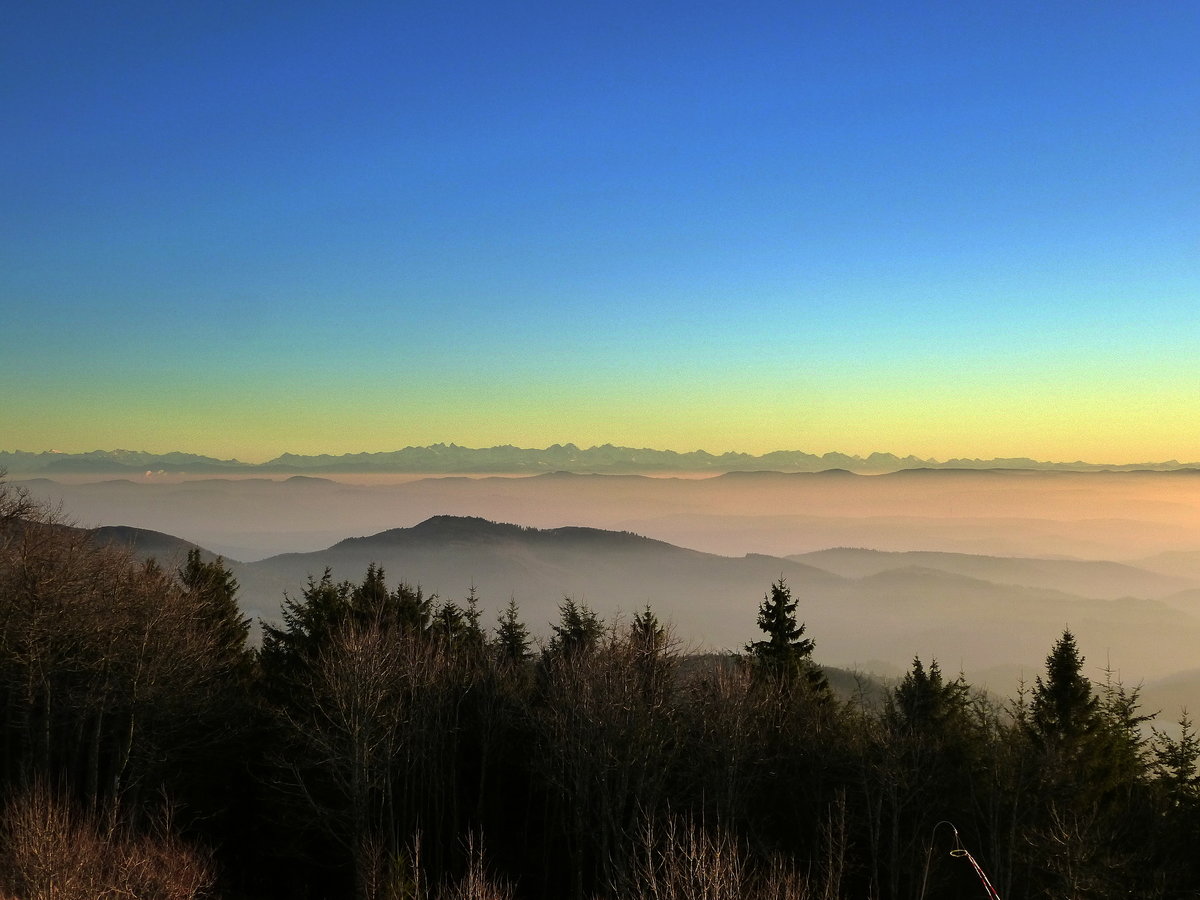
x=865, y=609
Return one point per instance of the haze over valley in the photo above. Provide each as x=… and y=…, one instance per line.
x=977, y=568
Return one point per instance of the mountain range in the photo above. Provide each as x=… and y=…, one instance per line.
x=451, y=458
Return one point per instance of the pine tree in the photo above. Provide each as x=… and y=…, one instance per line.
x=925, y=702
x=213, y=586
x=577, y=632
x=1063, y=710
x=308, y=624
x=786, y=652
x=512, y=637
x=370, y=601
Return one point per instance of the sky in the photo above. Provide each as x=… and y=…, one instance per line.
x=953, y=229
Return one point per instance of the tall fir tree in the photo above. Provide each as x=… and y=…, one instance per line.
x=925, y=702
x=309, y=621
x=578, y=630
x=1063, y=710
x=512, y=637
x=213, y=586
x=785, y=652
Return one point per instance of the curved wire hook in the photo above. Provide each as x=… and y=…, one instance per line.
x=958, y=852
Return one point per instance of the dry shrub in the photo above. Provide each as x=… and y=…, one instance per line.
x=50, y=852
x=684, y=861
x=475, y=883
x=402, y=876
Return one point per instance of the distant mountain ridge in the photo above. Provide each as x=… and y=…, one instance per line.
x=508, y=459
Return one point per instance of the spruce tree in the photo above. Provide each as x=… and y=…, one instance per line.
x=577, y=632
x=648, y=645
x=473, y=638
x=647, y=635
x=1177, y=764
x=785, y=653
x=414, y=611
x=1063, y=711
x=370, y=600
x=308, y=623
x=512, y=637
x=925, y=702
x=213, y=586
x=448, y=623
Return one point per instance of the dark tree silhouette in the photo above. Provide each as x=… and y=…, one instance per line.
x=512, y=637
x=1063, y=711
x=213, y=587
x=785, y=653
x=577, y=632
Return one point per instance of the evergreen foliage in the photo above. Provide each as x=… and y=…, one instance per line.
x=785, y=652
x=1064, y=708
x=577, y=631
x=1176, y=763
x=473, y=636
x=512, y=637
x=925, y=702
x=214, y=589
x=308, y=623
x=646, y=634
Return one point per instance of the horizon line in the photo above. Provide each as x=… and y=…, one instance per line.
x=569, y=446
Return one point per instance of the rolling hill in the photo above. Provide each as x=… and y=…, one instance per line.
x=866, y=610
x=1088, y=578
x=877, y=620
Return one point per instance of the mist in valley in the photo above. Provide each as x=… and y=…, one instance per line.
x=979, y=569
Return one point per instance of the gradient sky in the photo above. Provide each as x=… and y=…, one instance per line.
x=949, y=229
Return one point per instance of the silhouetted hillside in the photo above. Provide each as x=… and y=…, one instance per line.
x=876, y=621
x=1088, y=578
x=166, y=548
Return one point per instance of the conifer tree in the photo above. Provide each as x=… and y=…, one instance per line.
x=577, y=632
x=1063, y=709
x=370, y=600
x=924, y=701
x=449, y=623
x=785, y=653
x=1089, y=754
x=648, y=646
x=647, y=634
x=472, y=640
x=414, y=611
x=308, y=623
x=512, y=637
x=1177, y=763
x=212, y=585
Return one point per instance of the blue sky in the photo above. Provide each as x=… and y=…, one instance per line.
x=941, y=228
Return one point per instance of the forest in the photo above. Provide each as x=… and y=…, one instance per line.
x=378, y=743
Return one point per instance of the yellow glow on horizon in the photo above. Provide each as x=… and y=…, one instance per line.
x=924, y=417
